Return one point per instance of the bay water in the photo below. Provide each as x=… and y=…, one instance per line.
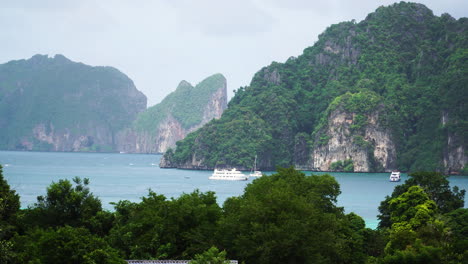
x=114, y=177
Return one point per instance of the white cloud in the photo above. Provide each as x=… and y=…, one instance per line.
x=214, y=17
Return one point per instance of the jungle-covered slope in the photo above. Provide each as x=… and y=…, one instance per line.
x=182, y=111
x=401, y=73
x=55, y=104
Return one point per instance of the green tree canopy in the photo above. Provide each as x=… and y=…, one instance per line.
x=287, y=218
x=64, y=245
x=158, y=228
x=211, y=256
x=435, y=184
x=416, y=235
x=64, y=204
x=9, y=205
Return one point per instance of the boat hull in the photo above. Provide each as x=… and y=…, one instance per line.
x=256, y=174
x=228, y=175
x=228, y=178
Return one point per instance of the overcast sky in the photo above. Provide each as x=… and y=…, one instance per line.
x=158, y=43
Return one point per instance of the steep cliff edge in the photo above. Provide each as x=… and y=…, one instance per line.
x=412, y=60
x=354, y=134
x=181, y=112
x=455, y=158
x=55, y=104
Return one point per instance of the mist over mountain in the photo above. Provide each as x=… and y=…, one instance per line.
x=55, y=104
x=181, y=112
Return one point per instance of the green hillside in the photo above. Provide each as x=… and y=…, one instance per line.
x=68, y=99
x=186, y=104
x=412, y=62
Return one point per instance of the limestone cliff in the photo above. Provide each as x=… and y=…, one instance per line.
x=55, y=104
x=371, y=150
x=393, y=73
x=455, y=158
x=183, y=111
x=353, y=136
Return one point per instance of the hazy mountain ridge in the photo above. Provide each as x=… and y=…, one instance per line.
x=412, y=62
x=55, y=104
x=181, y=112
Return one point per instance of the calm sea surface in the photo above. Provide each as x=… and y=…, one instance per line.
x=116, y=177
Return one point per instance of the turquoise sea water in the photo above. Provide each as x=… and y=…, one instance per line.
x=116, y=177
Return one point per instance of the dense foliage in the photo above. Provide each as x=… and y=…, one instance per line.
x=286, y=217
x=64, y=96
x=436, y=185
x=165, y=229
x=401, y=59
x=9, y=207
x=290, y=218
x=186, y=104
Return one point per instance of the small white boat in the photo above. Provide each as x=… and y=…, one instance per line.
x=255, y=172
x=395, y=176
x=228, y=175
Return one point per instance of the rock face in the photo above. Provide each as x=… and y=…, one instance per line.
x=395, y=72
x=183, y=111
x=65, y=140
x=455, y=158
x=55, y=104
x=167, y=133
x=374, y=150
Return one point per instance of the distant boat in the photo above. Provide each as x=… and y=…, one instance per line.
x=255, y=172
x=228, y=175
x=395, y=176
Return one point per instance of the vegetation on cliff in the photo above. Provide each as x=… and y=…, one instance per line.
x=287, y=217
x=66, y=100
x=401, y=57
x=186, y=104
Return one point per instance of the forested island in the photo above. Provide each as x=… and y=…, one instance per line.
x=385, y=93
x=287, y=217
x=55, y=104
x=159, y=127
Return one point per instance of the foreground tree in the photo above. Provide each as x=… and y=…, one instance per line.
x=416, y=235
x=64, y=245
x=457, y=249
x=435, y=184
x=158, y=228
x=9, y=207
x=211, y=256
x=289, y=218
x=65, y=204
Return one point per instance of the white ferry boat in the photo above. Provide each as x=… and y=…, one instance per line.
x=228, y=175
x=395, y=176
